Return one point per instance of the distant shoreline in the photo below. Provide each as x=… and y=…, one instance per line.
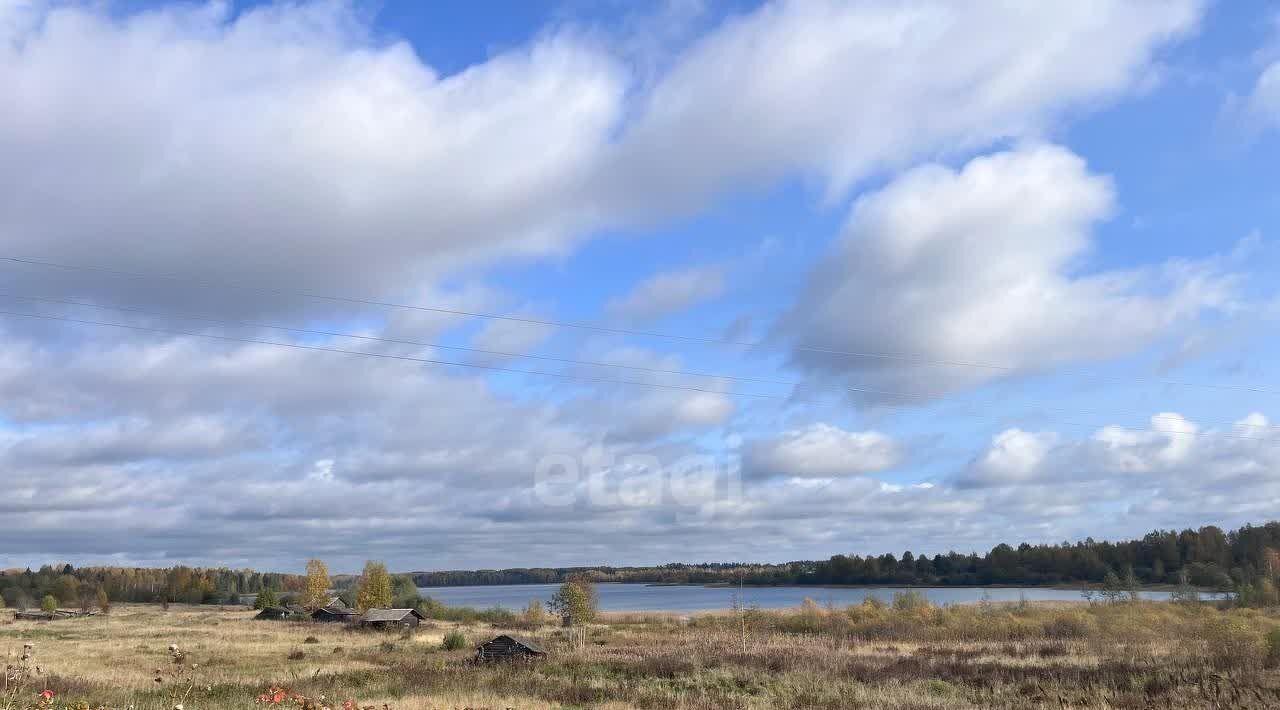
x=1091, y=587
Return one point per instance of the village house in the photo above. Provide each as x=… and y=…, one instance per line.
x=332, y=614
x=392, y=619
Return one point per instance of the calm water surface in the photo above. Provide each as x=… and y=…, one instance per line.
x=640, y=597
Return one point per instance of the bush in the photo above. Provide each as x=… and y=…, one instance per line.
x=871, y=601
x=296, y=655
x=311, y=639
x=909, y=600
x=534, y=615
x=454, y=641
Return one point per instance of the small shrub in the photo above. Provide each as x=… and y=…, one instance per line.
x=534, y=615
x=297, y=655
x=454, y=641
x=909, y=600
x=386, y=647
x=311, y=639
x=940, y=688
x=873, y=602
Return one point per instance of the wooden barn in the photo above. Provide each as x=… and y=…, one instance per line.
x=510, y=648
x=392, y=619
x=340, y=614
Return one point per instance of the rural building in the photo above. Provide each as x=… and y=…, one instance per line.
x=509, y=648
x=335, y=614
x=280, y=613
x=392, y=618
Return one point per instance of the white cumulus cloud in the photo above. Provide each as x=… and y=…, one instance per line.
x=983, y=265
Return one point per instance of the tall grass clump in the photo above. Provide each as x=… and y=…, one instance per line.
x=1231, y=642
x=454, y=641
x=1273, y=648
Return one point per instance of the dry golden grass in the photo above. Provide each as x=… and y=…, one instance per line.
x=1130, y=655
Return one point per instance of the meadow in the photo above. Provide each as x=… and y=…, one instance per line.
x=908, y=655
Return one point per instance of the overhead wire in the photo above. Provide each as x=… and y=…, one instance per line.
x=533, y=356
x=504, y=369
x=706, y=340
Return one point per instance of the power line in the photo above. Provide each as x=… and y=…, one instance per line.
x=530, y=356
x=904, y=357
x=499, y=368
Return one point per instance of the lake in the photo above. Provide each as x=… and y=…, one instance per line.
x=641, y=597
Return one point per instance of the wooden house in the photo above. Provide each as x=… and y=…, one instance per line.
x=510, y=648
x=341, y=614
x=392, y=619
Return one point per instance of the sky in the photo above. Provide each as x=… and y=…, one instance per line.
x=501, y=284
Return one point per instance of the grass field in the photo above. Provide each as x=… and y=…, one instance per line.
x=1132, y=655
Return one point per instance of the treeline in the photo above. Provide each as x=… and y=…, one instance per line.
x=1208, y=557
x=73, y=587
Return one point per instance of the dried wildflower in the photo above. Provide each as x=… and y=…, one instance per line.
x=273, y=696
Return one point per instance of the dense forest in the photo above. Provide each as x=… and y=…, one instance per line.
x=1208, y=557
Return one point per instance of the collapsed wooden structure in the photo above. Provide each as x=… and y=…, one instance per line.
x=282, y=613
x=52, y=615
x=509, y=647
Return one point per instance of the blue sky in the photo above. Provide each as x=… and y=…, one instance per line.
x=1009, y=276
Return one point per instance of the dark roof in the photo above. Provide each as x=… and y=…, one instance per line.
x=273, y=611
x=380, y=615
x=523, y=641
x=336, y=611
